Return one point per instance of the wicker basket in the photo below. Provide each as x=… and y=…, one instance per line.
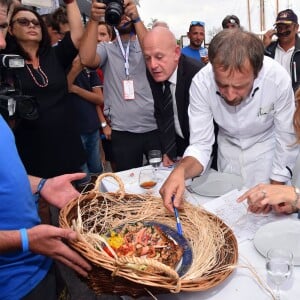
x=95, y=213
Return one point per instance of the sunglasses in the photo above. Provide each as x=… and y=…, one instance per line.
x=3, y=26
x=232, y=21
x=199, y=23
x=26, y=22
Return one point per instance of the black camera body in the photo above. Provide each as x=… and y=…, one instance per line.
x=13, y=104
x=114, y=11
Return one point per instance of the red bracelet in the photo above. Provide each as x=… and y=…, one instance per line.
x=68, y=1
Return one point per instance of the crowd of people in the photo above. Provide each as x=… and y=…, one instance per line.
x=232, y=109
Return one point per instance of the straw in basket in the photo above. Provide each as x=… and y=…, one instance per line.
x=93, y=214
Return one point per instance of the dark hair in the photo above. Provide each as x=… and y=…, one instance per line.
x=50, y=22
x=6, y=3
x=196, y=23
x=230, y=48
x=13, y=45
x=108, y=27
x=60, y=15
x=230, y=19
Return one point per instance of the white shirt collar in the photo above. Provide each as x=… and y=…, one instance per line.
x=173, y=77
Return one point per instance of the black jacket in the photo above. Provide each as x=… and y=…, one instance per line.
x=295, y=61
x=187, y=68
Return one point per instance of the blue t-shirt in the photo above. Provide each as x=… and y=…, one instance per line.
x=193, y=53
x=19, y=272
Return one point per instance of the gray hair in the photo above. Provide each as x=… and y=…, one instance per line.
x=231, y=48
x=160, y=23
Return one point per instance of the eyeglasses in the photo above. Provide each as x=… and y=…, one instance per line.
x=24, y=22
x=199, y=23
x=282, y=26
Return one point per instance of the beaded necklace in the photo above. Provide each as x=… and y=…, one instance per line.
x=42, y=75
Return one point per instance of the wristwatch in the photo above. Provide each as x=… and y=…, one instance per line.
x=103, y=124
x=295, y=202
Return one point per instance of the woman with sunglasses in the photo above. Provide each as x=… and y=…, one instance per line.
x=49, y=145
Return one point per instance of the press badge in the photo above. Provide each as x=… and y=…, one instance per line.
x=128, y=89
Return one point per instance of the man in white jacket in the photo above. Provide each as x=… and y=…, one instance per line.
x=251, y=99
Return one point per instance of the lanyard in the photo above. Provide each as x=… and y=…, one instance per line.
x=125, y=54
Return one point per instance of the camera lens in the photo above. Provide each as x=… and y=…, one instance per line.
x=27, y=107
x=113, y=13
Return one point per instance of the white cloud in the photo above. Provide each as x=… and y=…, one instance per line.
x=178, y=14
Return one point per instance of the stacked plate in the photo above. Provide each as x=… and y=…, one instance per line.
x=215, y=184
x=279, y=234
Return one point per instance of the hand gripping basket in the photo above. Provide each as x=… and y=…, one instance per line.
x=92, y=214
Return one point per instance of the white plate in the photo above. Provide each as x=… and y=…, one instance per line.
x=279, y=234
x=215, y=184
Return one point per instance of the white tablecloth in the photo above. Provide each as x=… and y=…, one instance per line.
x=241, y=284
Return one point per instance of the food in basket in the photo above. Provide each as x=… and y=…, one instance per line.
x=144, y=240
x=209, y=246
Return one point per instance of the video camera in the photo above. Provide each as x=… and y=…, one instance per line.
x=13, y=104
x=113, y=12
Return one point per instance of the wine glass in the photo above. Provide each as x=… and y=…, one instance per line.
x=147, y=179
x=279, y=264
x=155, y=158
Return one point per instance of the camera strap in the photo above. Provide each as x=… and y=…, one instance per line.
x=124, y=53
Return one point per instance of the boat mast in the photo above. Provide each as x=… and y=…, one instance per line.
x=249, y=17
x=262, y=15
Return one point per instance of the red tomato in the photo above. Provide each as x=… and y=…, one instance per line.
x=106, y=249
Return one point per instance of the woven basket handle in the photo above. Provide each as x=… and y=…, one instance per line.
x=120, y=191
x=125, y=260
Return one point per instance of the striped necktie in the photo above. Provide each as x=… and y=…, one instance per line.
x=168, y=127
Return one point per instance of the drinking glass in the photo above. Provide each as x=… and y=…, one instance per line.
x=147, y=179
x=279, y=264
x=203, y=53
x=155, y=158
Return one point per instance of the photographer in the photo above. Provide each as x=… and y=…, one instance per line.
x=128, y=98
x=26, y=247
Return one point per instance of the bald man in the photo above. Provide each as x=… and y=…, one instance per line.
x=166, y=63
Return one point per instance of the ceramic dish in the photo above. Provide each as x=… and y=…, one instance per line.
x=187, y=256
x=279, y=234
x=215, y=184
x=186, y=259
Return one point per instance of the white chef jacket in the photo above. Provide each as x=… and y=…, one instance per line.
x=256, y=138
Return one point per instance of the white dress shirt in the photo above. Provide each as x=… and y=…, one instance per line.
x=256, y=138
x=284, y=57
x=173, y=82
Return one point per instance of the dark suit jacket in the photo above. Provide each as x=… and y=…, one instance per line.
x=187, y=68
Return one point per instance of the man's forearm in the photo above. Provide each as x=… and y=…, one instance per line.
x=132, y=12
x=140, y=30
x=88, y=45
x=93, y=96
x=34, y=182
x=10, y=240
x=192, y=167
